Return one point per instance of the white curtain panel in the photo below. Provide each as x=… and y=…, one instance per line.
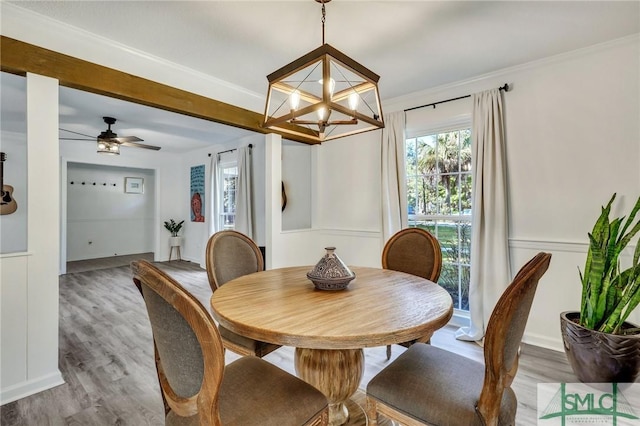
x=244, y=203
x=394, y=191
x=490, y=265
x=214, y=204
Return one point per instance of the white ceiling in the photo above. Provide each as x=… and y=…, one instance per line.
x=412, y=45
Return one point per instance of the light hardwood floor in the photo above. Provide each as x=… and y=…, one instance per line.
x=106, y=356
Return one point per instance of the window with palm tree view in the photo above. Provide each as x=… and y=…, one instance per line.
x=228, y=181
x=439, y=200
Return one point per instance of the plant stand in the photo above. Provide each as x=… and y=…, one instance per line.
x=175, y=242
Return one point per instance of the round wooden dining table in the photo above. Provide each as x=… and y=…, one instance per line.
x=329, y=329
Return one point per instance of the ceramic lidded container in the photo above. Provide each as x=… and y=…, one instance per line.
x=330, y=273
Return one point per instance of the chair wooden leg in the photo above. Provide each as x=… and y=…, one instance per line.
x=372, y=412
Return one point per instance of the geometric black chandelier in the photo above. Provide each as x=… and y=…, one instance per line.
x=323, y=95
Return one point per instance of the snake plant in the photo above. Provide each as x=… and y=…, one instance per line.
x=610, y=293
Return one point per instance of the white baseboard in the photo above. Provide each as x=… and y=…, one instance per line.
x=193, y=260
x=30, y=387
x=543, y=342
x=459, y=319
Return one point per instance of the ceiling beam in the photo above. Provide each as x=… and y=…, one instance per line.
x=20, y=58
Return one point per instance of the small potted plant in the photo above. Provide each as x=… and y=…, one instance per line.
x=602, y=347
x=174, y=227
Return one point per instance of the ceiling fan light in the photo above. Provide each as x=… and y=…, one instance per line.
x=105, y=147
x=108, y=142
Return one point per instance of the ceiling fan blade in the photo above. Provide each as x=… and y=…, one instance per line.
x=76, y=133
x=124, y=139
x=77, y=139
x=107, y=137
x=140, y=145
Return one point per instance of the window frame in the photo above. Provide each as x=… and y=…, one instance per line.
x=435, y=220
x=223, y=166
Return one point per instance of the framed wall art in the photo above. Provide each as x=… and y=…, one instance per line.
x=197, y=193
x=134, y=185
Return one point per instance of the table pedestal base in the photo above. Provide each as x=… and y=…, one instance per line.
x=335, y=372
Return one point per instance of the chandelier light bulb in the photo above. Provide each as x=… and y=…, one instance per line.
x=332, y=85
x=321, y=113
x=353, y=101
x=294, y=100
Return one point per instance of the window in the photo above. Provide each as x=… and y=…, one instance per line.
x=439, y=200
x=227, y=194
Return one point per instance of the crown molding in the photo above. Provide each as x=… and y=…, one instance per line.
x=459, y=88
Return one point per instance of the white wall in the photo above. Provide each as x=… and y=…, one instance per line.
x=29, y=286
x=356, y=246
x=573, y=138
x=13, y=227
x=349, y=183
x=296, y=175
x=168, y=183
x=13, y=142
x=102, y=219
x=294, y=163
x=170, y=193
x=196, y=234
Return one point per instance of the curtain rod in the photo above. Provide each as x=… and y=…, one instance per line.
x=505, y=88
x=231, y=150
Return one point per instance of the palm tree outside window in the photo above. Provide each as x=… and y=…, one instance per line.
x=228, y=181
x=438, y=167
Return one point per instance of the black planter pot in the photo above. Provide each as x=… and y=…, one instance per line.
x=598, y=357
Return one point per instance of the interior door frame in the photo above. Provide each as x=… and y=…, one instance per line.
x=64, y=164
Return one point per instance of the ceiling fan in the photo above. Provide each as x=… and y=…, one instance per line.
x=109, y=142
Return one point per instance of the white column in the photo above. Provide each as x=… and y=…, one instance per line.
x=273, y=206
x=43, y=228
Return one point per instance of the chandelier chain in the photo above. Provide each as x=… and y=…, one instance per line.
x=324, y=17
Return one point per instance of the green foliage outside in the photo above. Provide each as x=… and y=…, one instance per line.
x=439, y=173
x=439, y=184
x=455, y=243
x=229, y=182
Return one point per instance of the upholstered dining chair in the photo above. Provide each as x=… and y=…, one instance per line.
x=416, y=252
x=429, y=385
x=231, y=254
x=196, y=386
